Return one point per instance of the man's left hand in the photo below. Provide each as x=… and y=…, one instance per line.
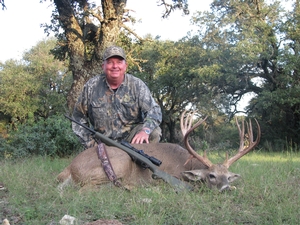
x=140, y=138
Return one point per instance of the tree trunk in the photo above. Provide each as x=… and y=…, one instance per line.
x=172, y=126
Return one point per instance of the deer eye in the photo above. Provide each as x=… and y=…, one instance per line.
x=212, y=176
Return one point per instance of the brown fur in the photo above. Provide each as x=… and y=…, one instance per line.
x=86, y=168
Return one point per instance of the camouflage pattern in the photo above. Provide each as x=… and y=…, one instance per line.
x=114, y=51
x=115, y=113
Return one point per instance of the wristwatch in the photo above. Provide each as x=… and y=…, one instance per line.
x=147, y=130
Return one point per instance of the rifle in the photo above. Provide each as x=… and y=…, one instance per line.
x=154, y=160
x=139, y=159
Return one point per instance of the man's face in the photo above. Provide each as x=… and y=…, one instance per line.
x=114, y=67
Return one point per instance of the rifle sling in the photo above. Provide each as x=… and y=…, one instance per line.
x=107, y=167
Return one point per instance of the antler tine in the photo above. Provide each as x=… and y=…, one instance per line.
x=241, y=133
x=186, y=129
x=186, y=124
x=242, y=149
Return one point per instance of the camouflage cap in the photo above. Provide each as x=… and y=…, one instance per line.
x=114, y=51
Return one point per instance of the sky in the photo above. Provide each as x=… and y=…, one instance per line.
x=23, y=18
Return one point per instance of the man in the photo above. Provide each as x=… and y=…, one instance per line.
x=117, y=104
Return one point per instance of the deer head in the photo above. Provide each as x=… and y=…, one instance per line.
x=216, y=175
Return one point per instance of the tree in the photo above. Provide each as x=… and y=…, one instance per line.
x=171, y=71
x=88, y=29
x=53, y=75
x=34, y=86
x=254, y=45
x=18, y=91
x=279, y=104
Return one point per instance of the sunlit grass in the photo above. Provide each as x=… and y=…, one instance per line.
x=267, y=193
x=272, y=157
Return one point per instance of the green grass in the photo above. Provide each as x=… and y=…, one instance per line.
x=267, y=193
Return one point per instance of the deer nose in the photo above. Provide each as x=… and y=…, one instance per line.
x=225, y=188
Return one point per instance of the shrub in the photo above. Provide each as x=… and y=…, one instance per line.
x=52, y=137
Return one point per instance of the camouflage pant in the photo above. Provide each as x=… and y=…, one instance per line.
x=154, y=137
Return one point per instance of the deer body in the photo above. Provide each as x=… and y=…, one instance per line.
x=185, y=164
x=86, y=168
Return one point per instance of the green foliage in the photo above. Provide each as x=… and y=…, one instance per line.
x=50, y=137
x=18, y=90
x=255, y=47
x=35, y=86
x=171, y=71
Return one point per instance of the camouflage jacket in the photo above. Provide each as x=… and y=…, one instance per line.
x=115, y=113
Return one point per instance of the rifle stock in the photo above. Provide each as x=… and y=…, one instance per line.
x=157, y=174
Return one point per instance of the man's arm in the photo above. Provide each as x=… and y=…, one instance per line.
x=150, y=109
x=152, y=115
x=80, y=115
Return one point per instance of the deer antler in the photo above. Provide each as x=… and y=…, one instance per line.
x=242, y=149
x=186, y=129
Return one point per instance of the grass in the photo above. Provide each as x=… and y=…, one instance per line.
x=267, y=193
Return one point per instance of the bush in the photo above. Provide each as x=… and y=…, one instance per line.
x=50, y=137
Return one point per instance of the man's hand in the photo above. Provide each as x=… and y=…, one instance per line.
x=141, y=137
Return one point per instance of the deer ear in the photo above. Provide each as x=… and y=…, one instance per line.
x=194, y=175
x=233, y=176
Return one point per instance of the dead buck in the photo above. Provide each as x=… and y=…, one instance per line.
x=185, y=164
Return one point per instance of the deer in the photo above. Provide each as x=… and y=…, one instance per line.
x=183, y=163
